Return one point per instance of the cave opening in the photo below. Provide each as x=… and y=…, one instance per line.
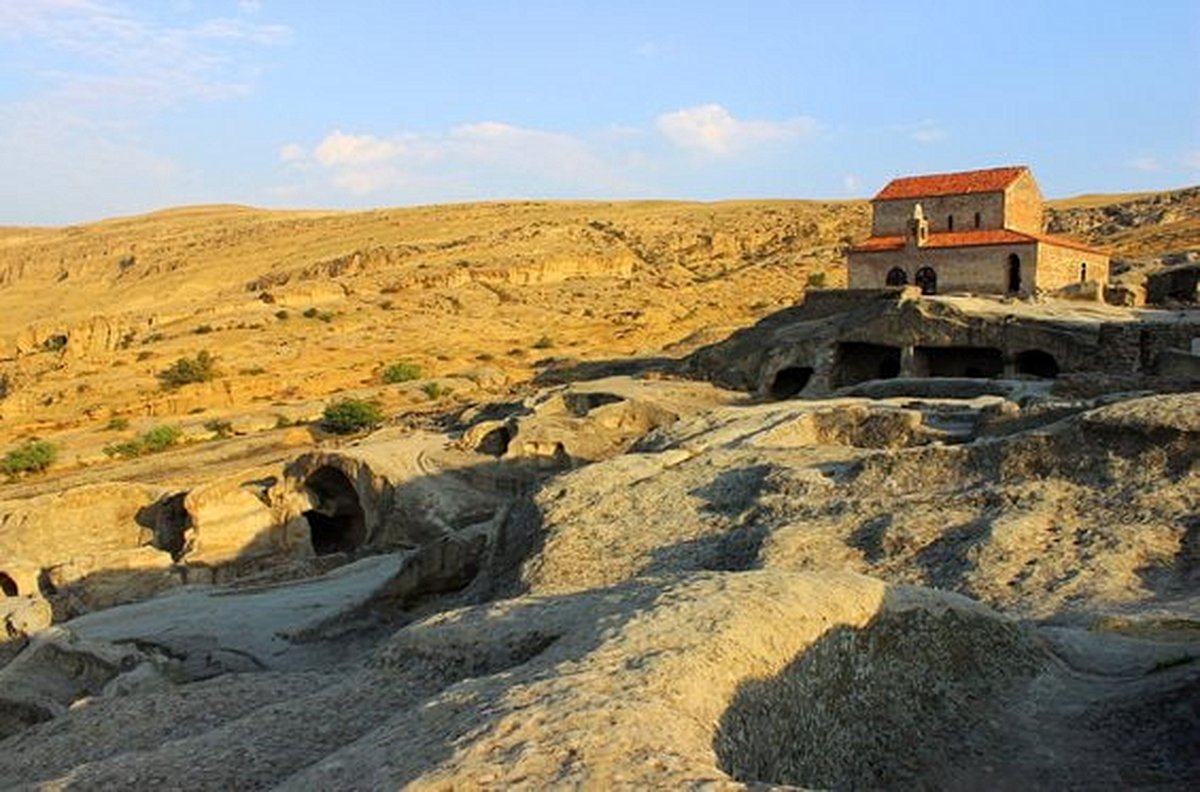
x=1037, y=363
x=8, y=585
x=961, y=361
x=790, y=381
x=860, y=362
x=337, y=523
x=495, y=442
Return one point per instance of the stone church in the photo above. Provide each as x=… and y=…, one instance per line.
x=975, y=231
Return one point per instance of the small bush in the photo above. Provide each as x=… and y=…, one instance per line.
x=219, y=427
x=55, y=343
x=160, y=438
x=401, y=371
x=188, y=370
x=310, y=313
x=117, y=424
x=32, y=457
x=253, y=371
x=434, y=390
x=282, y=315
x=545, y=342
x=150, y=339
x=204, y=329
x=816, y=280
x=351, y=415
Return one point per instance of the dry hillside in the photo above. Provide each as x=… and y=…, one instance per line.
x=298, y=305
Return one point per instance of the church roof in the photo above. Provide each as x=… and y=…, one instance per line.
x=977, y=181
x=952, y=239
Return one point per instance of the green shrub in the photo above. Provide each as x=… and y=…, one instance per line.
x=282, y=315
x=351, y=415
x=816, y=280
x=32, y=457
x=117, y=424
x=545, y=342
x=204, y=329
x=401, y=371
x=310, y=313
x=219, y=427
x=433, y=390
x=188, y=370
x=253, y=371
x=160, y=438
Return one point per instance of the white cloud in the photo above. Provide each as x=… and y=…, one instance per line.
x=712, y=129
x=339, y=148
x=851, y=184
x=292, y=152
x=1145, y=164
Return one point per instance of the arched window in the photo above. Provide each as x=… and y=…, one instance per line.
x=897, y=277
x=977, y=219
x=1014, y=273
x=926, y=278
x=950, y=223
x=1082, y=271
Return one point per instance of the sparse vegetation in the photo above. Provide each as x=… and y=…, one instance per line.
x=401, y=371
x=185, y=371
x=219, y=427
x=253, y=371
x=282, y=315
x=435, y=390
x=545, y=342
x=117, y=424
x=351, y=415
x=160, y=438
x=153, y=337
x=203, y=329
x=816, y=280
x=33, y=456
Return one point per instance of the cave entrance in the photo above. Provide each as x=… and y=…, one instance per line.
x=1037, y=363
x=858, y=362
x=495, y=442
x=959, y=361
x=337, y=523
x=790, y=381
x=8, y=586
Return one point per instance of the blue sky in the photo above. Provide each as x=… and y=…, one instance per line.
x=110, y=107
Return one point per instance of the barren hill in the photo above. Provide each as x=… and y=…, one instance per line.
x=298, y=305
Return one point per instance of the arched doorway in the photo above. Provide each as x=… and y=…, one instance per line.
x=926, y=278
x=336, y=522
x=897, y=277
x=1014, y=273
x=790, y=381
x=1037, y=363
x=8, y=586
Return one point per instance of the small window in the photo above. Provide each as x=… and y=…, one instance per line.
x=897, y=277
x=1082, y=271
x=977, y=219
x=950, y=223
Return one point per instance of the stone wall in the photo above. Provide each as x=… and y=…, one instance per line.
x=890, y=217
x=1062, y=266
x=982, y=269
x=1023, y=205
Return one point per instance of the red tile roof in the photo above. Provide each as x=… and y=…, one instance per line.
x=953, y=239
x=990, y=180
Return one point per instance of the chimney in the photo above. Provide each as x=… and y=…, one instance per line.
x=917, y=231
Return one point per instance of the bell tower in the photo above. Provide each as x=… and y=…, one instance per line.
x=917, y=229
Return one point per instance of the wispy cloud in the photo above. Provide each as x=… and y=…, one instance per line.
x=923, y=131
x=1145, y=164
x=495, y=158
x=86, y=122
x=712, y=129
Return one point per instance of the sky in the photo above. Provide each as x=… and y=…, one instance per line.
x=113, y=108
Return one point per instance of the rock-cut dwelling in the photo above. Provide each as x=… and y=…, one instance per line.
x=976, y=231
